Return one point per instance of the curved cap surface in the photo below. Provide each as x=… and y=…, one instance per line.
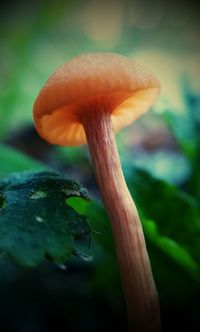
x=88, y=83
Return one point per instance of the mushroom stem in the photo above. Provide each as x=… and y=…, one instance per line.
x=137, y=279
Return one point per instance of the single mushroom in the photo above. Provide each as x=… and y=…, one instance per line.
x=87, y=100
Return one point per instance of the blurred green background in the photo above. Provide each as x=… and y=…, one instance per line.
x=160, y=155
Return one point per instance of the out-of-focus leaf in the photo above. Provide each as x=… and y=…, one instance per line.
x=176, y=273
x=78, y=204
x=35, y=221
x=12, y=160
x=175, y=213
x=172, y=249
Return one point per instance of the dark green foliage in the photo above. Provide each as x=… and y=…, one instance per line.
x=175, y=212
x=35, y=221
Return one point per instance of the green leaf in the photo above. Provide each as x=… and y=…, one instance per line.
x=172, y=264
x=15, y=161
x=78, y=204
x=35, y=221
x=176, y=213
x=172, y=249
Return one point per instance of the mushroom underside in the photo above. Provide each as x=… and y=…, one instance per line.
x=63, y=126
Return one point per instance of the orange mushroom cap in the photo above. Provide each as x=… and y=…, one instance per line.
x=91, y=82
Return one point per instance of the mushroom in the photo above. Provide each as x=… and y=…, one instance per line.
x=85, y=101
